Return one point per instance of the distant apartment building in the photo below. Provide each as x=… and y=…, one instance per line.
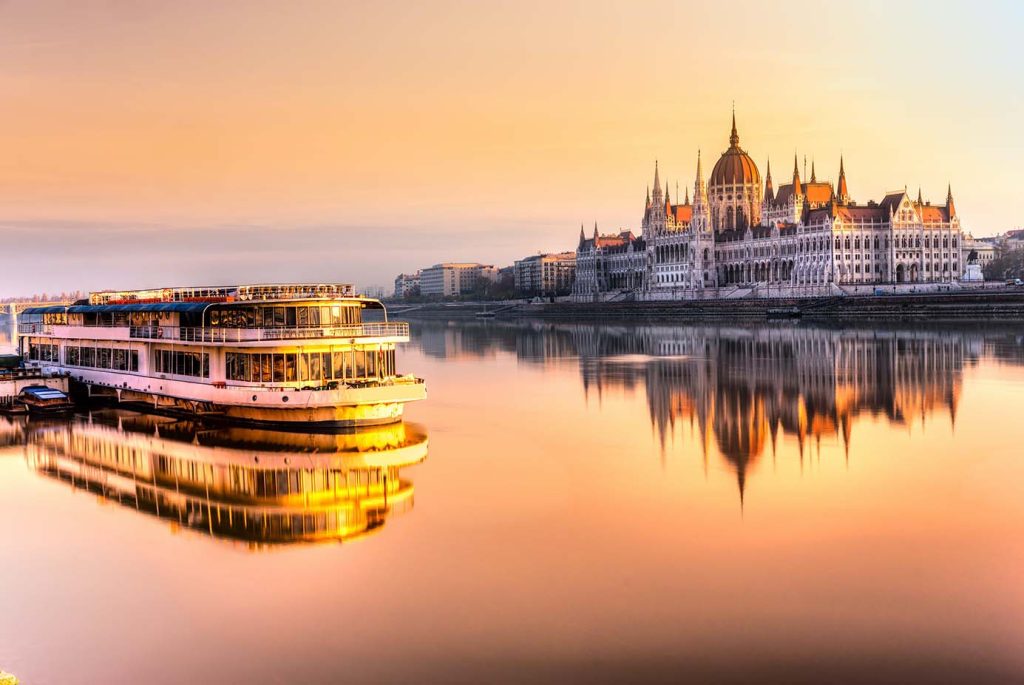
x=407, y=285
x=1012, y=240
x=454, y=279
x=545, y=274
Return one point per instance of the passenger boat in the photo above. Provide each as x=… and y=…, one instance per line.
x=40, y=399
x=282, y=355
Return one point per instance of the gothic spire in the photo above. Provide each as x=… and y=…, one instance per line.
x=656, y=198
x=814, y=176
x=949, y=201
x=797, y=188
x=699, y=190
x=920, y=199
x=769, y=189
x=844, y=194
x=734, y=138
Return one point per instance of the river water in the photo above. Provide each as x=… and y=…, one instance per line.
x=583, y=503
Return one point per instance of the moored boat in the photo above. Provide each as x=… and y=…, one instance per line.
x=40, y=399
x=282, y=355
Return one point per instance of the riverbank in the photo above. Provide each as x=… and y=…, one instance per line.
x=996, y=306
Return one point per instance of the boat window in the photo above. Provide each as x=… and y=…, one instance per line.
x=182, y=363
x=289, y=368
x=43, y=352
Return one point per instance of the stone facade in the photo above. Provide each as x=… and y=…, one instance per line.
x=453, y=279
x=545, y=274
x=608, y=265
x=740, y=237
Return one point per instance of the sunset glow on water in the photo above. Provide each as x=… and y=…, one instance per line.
x=729, y=501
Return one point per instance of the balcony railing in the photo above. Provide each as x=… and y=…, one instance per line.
x=35, y=329
x=229, y=335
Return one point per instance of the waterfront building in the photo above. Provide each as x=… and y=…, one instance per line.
x=273, y=354
x=606, y=263
x=452, y=279
x=545, y=274
x=743, y=236
x=407, y=285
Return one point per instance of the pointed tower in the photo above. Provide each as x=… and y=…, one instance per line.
x=769, y=189
x=949, y=202
x=655, y=223
x=702, y=273
x=814, y=176
x=734, y=137
x=668, y=201
x=595, y=233
x=701, y=220
x=687, y=197
x=844, y=194
x=583, y=238
x=656, y=199
x=920, y=199
x=797, y=188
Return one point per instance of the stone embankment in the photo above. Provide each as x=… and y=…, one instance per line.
x=998, y=306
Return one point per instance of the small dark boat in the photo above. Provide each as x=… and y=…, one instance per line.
x=39, y=399
x=784, y=313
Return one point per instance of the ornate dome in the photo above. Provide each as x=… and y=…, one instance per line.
x=734, y=166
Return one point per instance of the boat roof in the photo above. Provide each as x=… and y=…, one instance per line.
x=181, y=307
x=44, y=393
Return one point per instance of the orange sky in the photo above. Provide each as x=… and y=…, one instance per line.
x=400, y=134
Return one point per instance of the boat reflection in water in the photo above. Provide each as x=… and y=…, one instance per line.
x=259, y=487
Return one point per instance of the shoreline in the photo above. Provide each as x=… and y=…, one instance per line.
x=1004, y=306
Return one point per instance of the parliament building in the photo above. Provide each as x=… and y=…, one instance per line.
x=740, y=235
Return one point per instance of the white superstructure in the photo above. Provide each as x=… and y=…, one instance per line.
x=278, y=354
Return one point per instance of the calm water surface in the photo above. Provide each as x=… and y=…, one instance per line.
x=573, y=503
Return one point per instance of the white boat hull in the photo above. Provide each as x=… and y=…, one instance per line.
x=344, y=406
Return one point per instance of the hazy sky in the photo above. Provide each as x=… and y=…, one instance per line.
x=154, y=143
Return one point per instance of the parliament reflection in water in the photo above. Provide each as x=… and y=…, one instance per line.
x=743, y=385
x=253, y=486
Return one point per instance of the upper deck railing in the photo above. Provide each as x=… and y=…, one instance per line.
x=225, y=335
x=228, y=335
